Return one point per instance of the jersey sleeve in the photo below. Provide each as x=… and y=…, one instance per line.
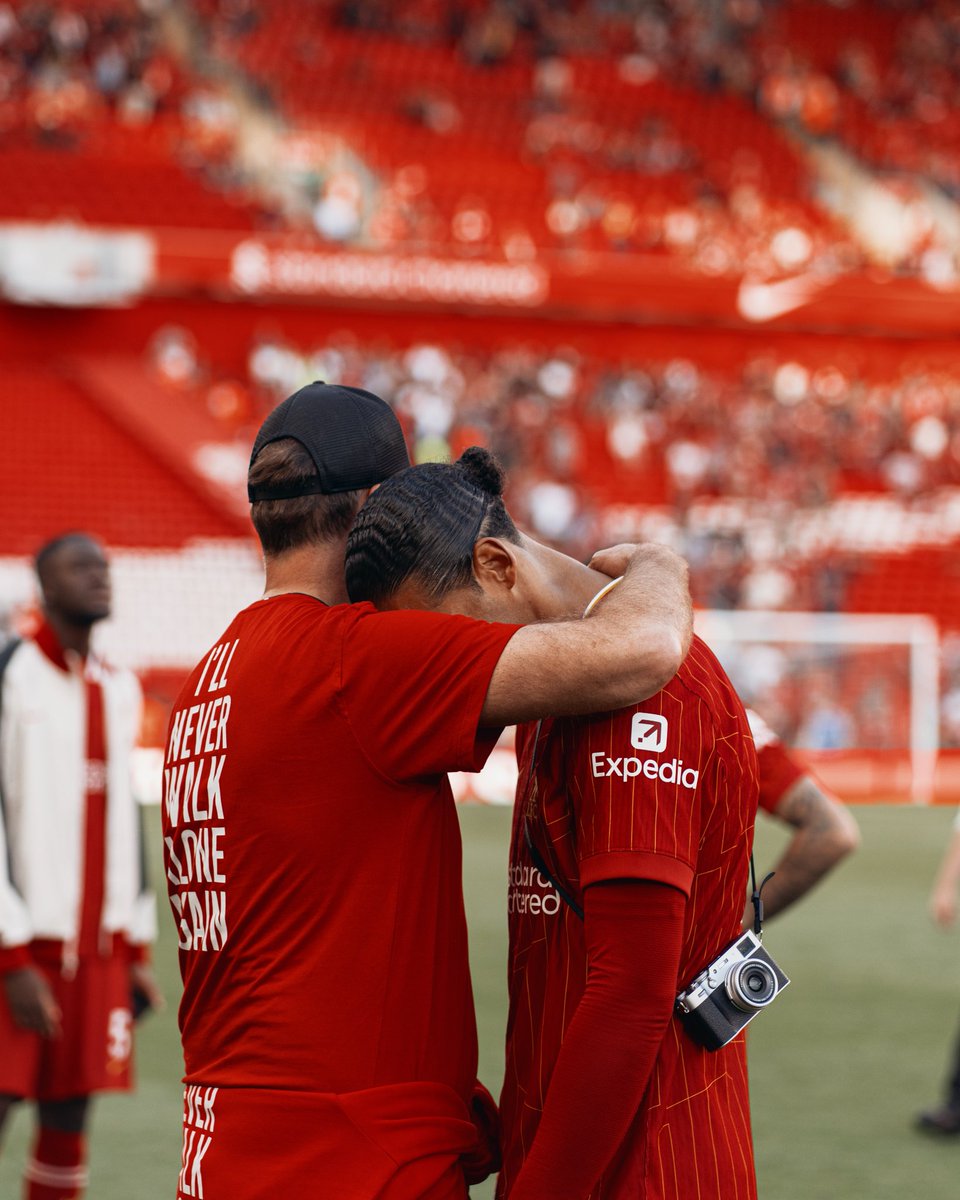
x=636, y=782
x=779, y=770
x=412, y=687
x=16, y=927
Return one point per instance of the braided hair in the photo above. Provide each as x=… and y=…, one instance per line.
x=422, y=524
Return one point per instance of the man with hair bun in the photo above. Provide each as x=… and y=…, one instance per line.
x=312, y=847
x=628, y=865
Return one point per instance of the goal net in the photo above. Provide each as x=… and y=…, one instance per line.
x=857, y=696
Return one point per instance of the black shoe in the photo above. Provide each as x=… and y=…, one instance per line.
x=944, y=1122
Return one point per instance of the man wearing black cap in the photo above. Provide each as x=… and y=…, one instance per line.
x=312, y=847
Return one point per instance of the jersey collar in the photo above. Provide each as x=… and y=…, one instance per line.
x=64, y=660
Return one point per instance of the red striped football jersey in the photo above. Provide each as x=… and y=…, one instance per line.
x=664, y=791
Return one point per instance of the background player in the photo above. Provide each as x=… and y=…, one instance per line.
x=825, y=831
x=644, y=818
x=75, y=914
x=311, y=842
x=944, y=1120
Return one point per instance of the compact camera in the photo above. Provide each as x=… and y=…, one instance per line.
x=730, y=992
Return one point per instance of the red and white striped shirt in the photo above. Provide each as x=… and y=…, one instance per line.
x=665, y=791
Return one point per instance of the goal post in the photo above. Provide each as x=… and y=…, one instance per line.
x=858, y=694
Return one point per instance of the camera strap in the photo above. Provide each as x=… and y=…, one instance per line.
x=757, y=898
x=544, y=870
x=535, y=855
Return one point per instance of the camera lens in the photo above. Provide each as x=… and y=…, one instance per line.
x=751, y=984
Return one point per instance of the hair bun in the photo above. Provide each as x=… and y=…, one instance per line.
x=482, y=470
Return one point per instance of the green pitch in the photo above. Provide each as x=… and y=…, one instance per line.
x=839, y=1064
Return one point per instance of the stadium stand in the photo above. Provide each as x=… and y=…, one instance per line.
x=795, y=470
x=887, y=76
x=101, y=123
x=40, y=184
x=825, y=453
x=480, y=128
x=684, y=129
x=103, y=479
x=550, y=149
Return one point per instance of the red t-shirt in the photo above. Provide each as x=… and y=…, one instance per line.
x=779, y=771
x=312, y=847
x=664, y=791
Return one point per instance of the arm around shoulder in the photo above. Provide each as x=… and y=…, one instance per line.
x=628, y=649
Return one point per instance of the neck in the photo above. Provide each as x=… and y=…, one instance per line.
x=571, y=585
x=582, y=583
x=311, y=570
x=70, y=635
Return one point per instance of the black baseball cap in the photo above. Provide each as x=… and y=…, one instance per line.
x=353, y=437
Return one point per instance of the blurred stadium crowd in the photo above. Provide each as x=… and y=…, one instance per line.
x=734, y=466
x=556, y=111
x=743, y=138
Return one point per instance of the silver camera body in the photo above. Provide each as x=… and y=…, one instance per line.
x=729, y=993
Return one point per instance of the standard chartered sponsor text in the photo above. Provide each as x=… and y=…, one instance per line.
x=529, y=892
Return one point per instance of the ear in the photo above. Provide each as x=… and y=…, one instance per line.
x=494, y=563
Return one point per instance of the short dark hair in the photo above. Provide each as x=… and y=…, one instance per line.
x=49, y=550
x=423, y=523
x=284, y=525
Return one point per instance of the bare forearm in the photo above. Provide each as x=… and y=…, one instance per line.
x=825, y=834
x=803, y=865
x=569, y=669
x=630, y=647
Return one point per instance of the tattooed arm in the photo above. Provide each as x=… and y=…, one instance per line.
x=825, y=833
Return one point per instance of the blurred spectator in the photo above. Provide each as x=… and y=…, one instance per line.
x=173, y=352
x=823, y=830
x=60, y=68
x=337, y=215
x=827, y=724
x=755, y=453
x=944, y=1120
x=950, y=702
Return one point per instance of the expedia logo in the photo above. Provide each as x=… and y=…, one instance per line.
x=648, y=731
x=672, y=771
